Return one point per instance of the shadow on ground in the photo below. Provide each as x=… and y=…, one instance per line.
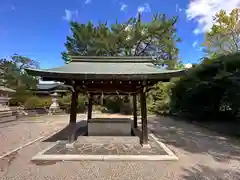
x=194, y=139
x=44, y=163
x=6, y=161
x=205, y=173
x=78, y=129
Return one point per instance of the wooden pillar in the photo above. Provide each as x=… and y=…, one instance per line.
x=90, y=98
x=134, y=111
x=144, y=117
x=73, y=111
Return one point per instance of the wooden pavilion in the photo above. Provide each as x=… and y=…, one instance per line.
x=109, y=75
x=46, y=90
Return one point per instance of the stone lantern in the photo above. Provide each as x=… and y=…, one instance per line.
x=5, y=111
x=54, y=108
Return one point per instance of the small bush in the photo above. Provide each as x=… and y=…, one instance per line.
x=113, y=104
x=20, y=96
x=33, y=102
x=65, y=103
x=158, y=98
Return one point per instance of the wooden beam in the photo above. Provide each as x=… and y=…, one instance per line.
x=144, y=116
x=134, y=111
x=90, y=99
x=73, y=111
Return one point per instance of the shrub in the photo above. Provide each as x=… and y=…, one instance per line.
x=20, y=96
x=209, y=90
x=65, y=103
x=112, y=104
x=33, y=102
x=158, y=98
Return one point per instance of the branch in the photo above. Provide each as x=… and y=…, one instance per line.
x=147, y=44
x=234, y=40
x=165, y=31
x=137, y=47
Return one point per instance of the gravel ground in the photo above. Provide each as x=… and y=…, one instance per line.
x=203, y=155
x=17, y=133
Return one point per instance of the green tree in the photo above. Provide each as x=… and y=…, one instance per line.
x=12, y=75
x=159, y=98
x=210, y=90
x=156, y=38
x=224, y=36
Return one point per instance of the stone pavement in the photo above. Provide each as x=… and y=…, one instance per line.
x=107, y=148
x=203, y=155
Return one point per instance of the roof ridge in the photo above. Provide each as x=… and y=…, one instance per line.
x=113, y=59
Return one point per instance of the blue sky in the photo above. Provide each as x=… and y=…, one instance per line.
x=38, y=29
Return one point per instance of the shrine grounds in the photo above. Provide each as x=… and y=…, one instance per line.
x=203, y=154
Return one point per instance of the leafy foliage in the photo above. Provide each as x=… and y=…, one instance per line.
x=224, y=37
x=12, y=75
x=209, y=90
x=12, y=72
x=159, y=98
x=65, y=102
x=133, y=38
x=33, y=102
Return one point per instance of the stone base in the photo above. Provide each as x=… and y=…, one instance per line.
x=98, y=149
x=70, y=145
x=146, y=146
x=108, y=140
x=109, y=127
x=7, y=115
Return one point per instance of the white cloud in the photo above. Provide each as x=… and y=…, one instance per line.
x=203, y=11
x=195, y=43
x=123, y=7
x=188, y=65
x=144, y=8
x=69, y=15
x=87, y=1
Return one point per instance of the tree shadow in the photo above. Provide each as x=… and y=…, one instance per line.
x=194, y=139
x=63, y=135
x=44, y=163
x=202, y=172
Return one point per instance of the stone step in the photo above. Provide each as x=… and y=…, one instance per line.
x=108, y=140
x=7, y=118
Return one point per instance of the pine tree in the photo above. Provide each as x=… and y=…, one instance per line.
x=156, y=38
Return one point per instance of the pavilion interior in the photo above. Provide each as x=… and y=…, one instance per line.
x=115, y=88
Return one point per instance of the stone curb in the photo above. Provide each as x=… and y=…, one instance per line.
x=162, y=145
x=55, y=157
x=103, y=158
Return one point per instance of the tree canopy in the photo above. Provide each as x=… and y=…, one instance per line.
x=156, y=38
x=12, y=72
x=224, y=36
